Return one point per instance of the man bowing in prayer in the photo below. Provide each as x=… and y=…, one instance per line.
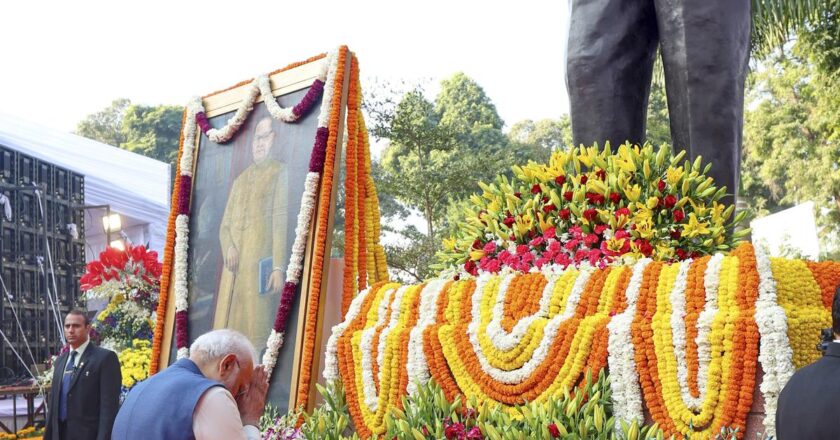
x=216, y=394
x=85, y=393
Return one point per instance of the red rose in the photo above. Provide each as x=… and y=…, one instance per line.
x=681, y=254
x=679, y=215
x=594, y=198
x=554, y=430
x=615, y=197
x=471, y=268
x=661, y=185
x=590, y=214
x=670, y=201
x=622, y=211
x=454, y=431
x=644, y=247
x=583, y=179
x=568, y=195
x=536, y=189
x=562, y=260
x=548, y=208
x=600, y=229
x=565, y=213
x=676, y=234
x=536, y=242
x=601, y=174
x=509, y=221
x=477, y=244
x=474, y=434
x=560, y=180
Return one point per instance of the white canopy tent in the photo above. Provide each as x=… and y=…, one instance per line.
x=134, y=186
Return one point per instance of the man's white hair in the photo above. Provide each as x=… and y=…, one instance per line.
x=217, y=344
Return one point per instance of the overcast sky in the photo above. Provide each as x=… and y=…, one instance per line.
x=64, y=60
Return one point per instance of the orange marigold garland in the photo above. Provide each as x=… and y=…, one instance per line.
x=483, y=324
x=695, y=299
x=351, y=189
x=166, y=272
x=319, y=261
x=827, y=275
x=169, y=247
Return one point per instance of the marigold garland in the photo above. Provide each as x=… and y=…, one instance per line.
x=354, y=241
x=368, y=214
x=680, y=339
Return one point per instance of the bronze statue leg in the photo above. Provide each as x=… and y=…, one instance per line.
x=609, y=63
x=705, y=50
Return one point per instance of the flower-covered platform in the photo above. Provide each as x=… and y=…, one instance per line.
x=682, y=339
x=597, y=260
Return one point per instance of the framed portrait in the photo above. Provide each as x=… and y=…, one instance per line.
x=246, y=196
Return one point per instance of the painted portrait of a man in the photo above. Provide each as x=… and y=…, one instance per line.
x=246, y=200
x=253, y=241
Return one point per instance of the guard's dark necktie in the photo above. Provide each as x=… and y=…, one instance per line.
x=65, y=385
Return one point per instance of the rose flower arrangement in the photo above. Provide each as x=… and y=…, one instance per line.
x=589, y=206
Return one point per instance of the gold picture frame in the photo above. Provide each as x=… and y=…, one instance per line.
x=289, y=84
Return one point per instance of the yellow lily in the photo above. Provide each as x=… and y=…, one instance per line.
x=673, y=175
x=633, y=193
x=476, y=254
x=449, y=244
x=695, y=227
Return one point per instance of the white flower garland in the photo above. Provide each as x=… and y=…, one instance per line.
x=711, y=281
x=775, y=353
x=678, y=334
x=621, y=354
x=503, y=340
x=182, y=229
x=307, y=208
x=396, y=311
x=417, y=367
x=366, y=345
x=541, y=352
x=331, y=373
x=259, y=87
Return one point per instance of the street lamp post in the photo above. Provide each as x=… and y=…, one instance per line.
x=110, y=222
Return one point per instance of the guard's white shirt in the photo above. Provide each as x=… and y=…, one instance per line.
x=79, y=352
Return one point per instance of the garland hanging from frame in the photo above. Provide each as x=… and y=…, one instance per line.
x=317, y=195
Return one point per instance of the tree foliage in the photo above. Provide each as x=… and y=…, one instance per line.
x=792, y=138
x=437, y=151
x=537, y=139
x=658, y=126
x=105, y=125
x=152, y=131
x=775, y=21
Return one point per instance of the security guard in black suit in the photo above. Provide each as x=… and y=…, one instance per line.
x=85, y=392
x=809, y=406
